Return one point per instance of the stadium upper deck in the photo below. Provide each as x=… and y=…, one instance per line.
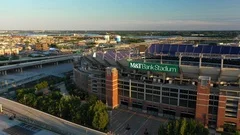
x=175, y=49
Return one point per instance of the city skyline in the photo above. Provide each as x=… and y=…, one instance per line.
x=119, y=15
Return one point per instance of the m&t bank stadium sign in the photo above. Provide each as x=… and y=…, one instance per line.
x=154, y=67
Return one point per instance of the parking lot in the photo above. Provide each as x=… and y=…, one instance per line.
x=137, y=122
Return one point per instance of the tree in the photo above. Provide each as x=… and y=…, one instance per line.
x=84, y=114
x=22, y=92
x=43, y=103
x=29, y=100
x=100, y=120
x=92, y=99
x=98, y=114
x=183, y=127
x=41, y=85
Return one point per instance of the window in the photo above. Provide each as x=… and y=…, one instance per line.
x=148, y=97
x=126, y=93
x=140, y=85
x=173, y=101
x=140, y=90
x=156, y=99
x=126, y=83
x=156, y=88
x=173, y=94
x=165, y=93
x=212, y=110
x=148, y=86
x=183, y=103
x=134, y=84
x=174, y=90
x=193, y=92
x=156, y=92
x=133, y=88
x=192, y=97
x=134, y=94
x=192, y=104
x=183, y=96
x=165, y=89
x=165, y=100
x=126, y=87
x=184, y=91
x=140, y=96
x=149, y=91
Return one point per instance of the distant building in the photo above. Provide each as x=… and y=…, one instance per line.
x=9, y=51
x=118, y=38
x=41, y=47
x=107, y=38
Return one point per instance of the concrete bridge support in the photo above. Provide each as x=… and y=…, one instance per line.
x=3, y=72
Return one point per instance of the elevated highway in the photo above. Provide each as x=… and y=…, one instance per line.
x=8, y=62
x=37, y=64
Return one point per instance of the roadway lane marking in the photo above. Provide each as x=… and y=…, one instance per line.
x=125, y=132
x=115, y=121
x=115, y=114
x=158, y=118
x=125, y=122
x=142, y=125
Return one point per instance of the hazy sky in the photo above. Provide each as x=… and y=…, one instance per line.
x=120, y=15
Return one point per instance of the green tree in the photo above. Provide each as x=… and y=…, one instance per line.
x=98, y=114
x=100, y=120
x=92, y=99
x=84, y=114
x=41, y=85
x=43, y=102
x=29, y=100
x=183, y=127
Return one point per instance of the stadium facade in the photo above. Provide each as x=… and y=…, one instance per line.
x=168, y=80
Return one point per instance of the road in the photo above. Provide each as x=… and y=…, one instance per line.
x=33, y=74
x=45, y=120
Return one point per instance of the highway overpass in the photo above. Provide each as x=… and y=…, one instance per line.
x=37, y=64
x=9, y=62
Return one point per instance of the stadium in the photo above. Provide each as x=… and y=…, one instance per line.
x=167, y=80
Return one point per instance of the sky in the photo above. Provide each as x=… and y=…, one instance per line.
x=119, y=15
